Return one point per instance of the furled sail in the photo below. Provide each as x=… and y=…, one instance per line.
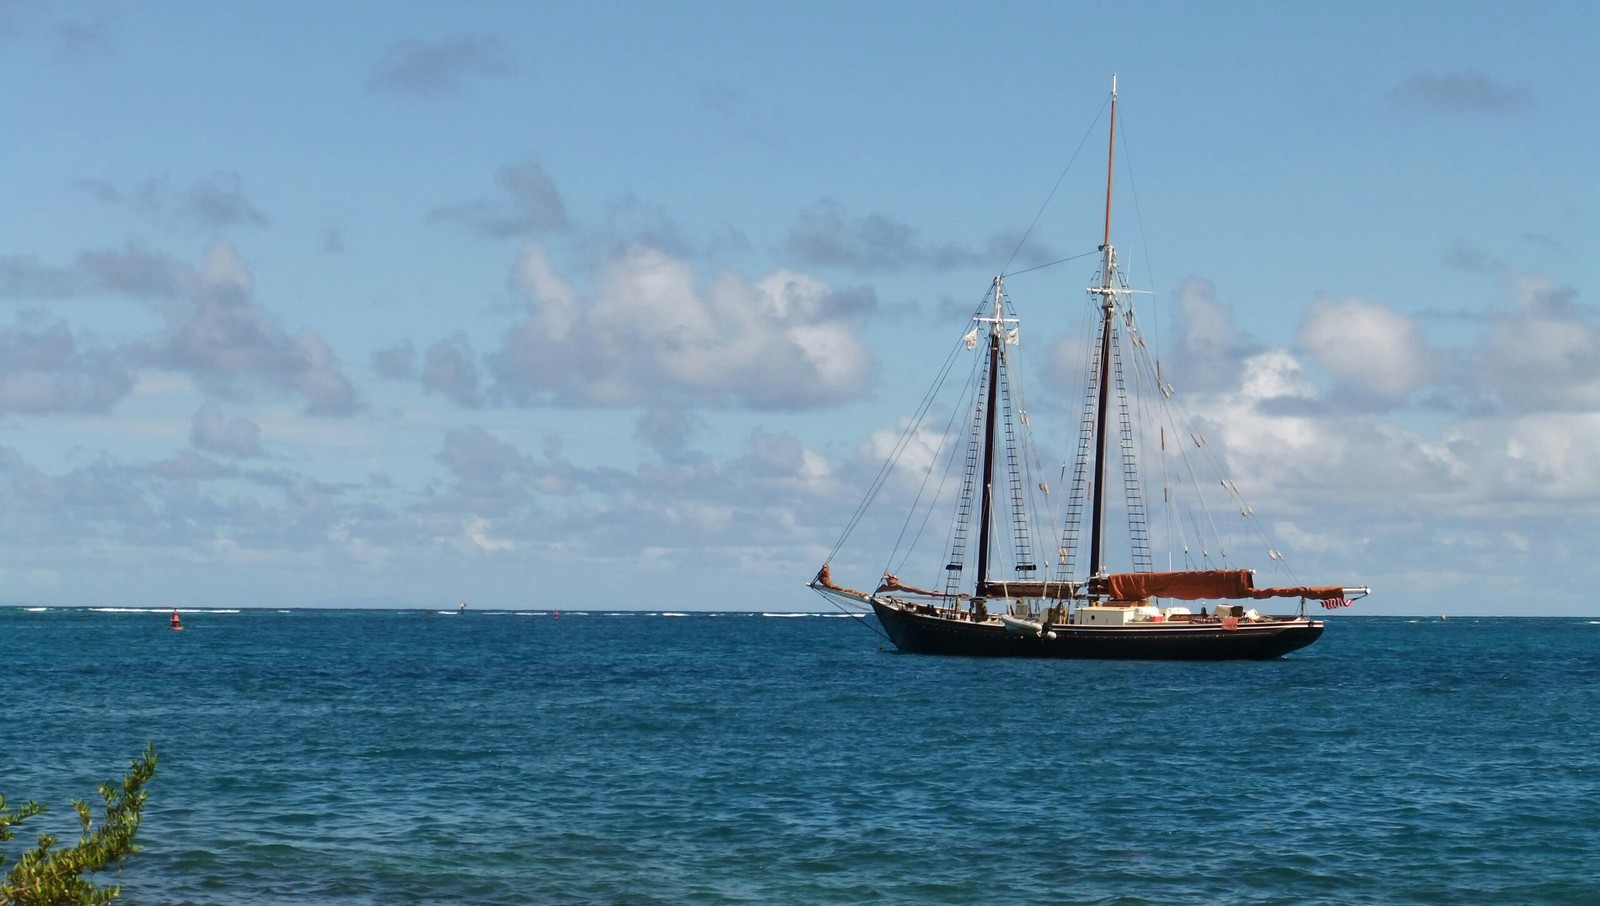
x=1027, y=588
x=891, y=582
x=1195, y=585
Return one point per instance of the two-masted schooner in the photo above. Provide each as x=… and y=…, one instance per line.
x=983, y=608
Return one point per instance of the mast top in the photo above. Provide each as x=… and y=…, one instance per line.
x=1111, y=148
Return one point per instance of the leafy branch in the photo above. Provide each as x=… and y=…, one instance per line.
x=48, y=876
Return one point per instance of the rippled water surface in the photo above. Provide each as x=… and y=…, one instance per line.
x=397, y=757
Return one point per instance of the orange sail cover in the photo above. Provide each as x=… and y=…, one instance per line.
x=1196, y=585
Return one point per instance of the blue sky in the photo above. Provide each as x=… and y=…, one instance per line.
x=602, y=304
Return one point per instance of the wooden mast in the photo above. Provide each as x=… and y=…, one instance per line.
x=1108, y=302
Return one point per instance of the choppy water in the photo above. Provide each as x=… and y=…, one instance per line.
x=395, y=757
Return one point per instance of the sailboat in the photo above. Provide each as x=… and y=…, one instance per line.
x=1205, y=610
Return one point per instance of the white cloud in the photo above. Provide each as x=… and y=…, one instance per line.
x=478, y=539
x=1551, y=457
x=214, y=433
x=438, y=68
x=825, y=236
x=530, y=204
x=1367, y=346
x=650, y=332
x=450, y=368
x=914, y=454
x=1543, y=354
x=1463, y=91
x=1206, y=355
x=42, y=370
x=221, y=336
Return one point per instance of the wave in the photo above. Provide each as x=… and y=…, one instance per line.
x=165, y=610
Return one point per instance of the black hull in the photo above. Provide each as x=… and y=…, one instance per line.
x=929, y=634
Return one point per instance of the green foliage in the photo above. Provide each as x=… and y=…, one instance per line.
x=47, y=876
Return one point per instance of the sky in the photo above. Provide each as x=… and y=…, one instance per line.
x=608, y=305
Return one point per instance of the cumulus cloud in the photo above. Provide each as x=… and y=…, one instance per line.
x=650, y=332
x=131, y=270
x=439, y=68
x=631, y=220
x=42, y=370
x=395, y=363
x=493, y=478
x=78, y=41
x=26, y=277
x=529, y=204
x=473, y=455
x=779, y=461
x=215, y=330
x=212, y=432
x=1467, y=91
x=1544, y=458
x=1544, y=353
x=666, y=430
x=189, y=466
x=1367, y=346
x=213, y=203
x=227, y=341
x=826, y=236
x=450, y=368
x=1208, y=351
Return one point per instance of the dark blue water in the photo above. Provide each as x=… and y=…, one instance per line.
x=381, y=757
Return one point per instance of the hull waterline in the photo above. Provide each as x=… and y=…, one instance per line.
x=924, y=634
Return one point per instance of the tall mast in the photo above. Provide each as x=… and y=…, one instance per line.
x=985, y=468
x=1108, y=303
x=1111, y=147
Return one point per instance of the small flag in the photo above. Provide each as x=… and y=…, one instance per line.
x=1336, y=603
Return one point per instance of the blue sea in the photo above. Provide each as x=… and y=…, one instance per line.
x=371, y=757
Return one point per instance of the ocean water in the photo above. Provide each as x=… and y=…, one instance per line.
x=371, y=757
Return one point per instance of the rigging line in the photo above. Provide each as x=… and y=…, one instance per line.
x=1176, y=415
x=1053, y=189
x=1037, y=267
x=904, y=440
x=858, y=616
x=900, y=447
x=1138, y=216
x=1043, y=515
x=969, y=392
x=964, y=408
x=933, y=501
